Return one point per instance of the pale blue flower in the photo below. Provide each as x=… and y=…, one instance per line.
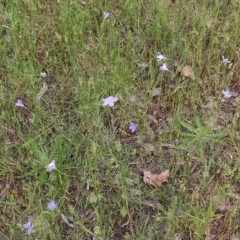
x=227, y=93
x=225, y=60
x=110, y=101
x=163, y=67
x=133, y=127
x=29, y=226
x=160, y=57
x=19, y=103
x=106, y=15
x=51, y=166
x=52, y=205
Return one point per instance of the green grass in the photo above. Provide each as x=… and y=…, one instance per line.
x=98, y=184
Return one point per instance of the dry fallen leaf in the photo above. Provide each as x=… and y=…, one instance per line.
x=234, y=237
x=142, y=65
x=187, y=71
x=83, y=3
x=114, y=121
x=155, y=179
x=42, y=91
x=155, y=92
x=223, y=205
x=66, y=221
x=149, y=147
x=217, y=228
x=234, y=93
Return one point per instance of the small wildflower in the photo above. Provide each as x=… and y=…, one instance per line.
x=51, y=166
x=29, y=226
x=225, y=60
x=110, y=101
x=106, y=15
x=163, y=67
x=19, y=103
x=43, y=74
x=52, y=205
x=133, y=127
x=160, y=57
x=227, y=93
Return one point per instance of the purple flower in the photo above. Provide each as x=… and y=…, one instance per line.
x=110, y=101
x=163, y=67
x=19, y=103
x=29, y=226
x=51, y=166
x=133, y=127
x=160, y=57
x=52, y=205
x=227, y=93
x=225, y=60
x=106, y=15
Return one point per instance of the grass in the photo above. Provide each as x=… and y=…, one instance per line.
x=190, y=128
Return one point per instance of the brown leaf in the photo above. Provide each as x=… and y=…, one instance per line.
x=114, y=121
x=223, y=205
x=66, y=221
x=42, y=91
x=83, y=3
x=216, y=228
x=155, y=179
x=142, y=65
x=187, y=71
x=234, y=237
x=233, y=93
x=155, y=92
x=149, y=147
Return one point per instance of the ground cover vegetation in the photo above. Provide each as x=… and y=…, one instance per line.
x=119, y=119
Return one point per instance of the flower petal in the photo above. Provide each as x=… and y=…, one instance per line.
x=106, y=15
x=132, y=127
x=30, y=230
x=51, y=166
x=19, y=103
x=227, y=93
x=110, y=101
x=52, y=205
